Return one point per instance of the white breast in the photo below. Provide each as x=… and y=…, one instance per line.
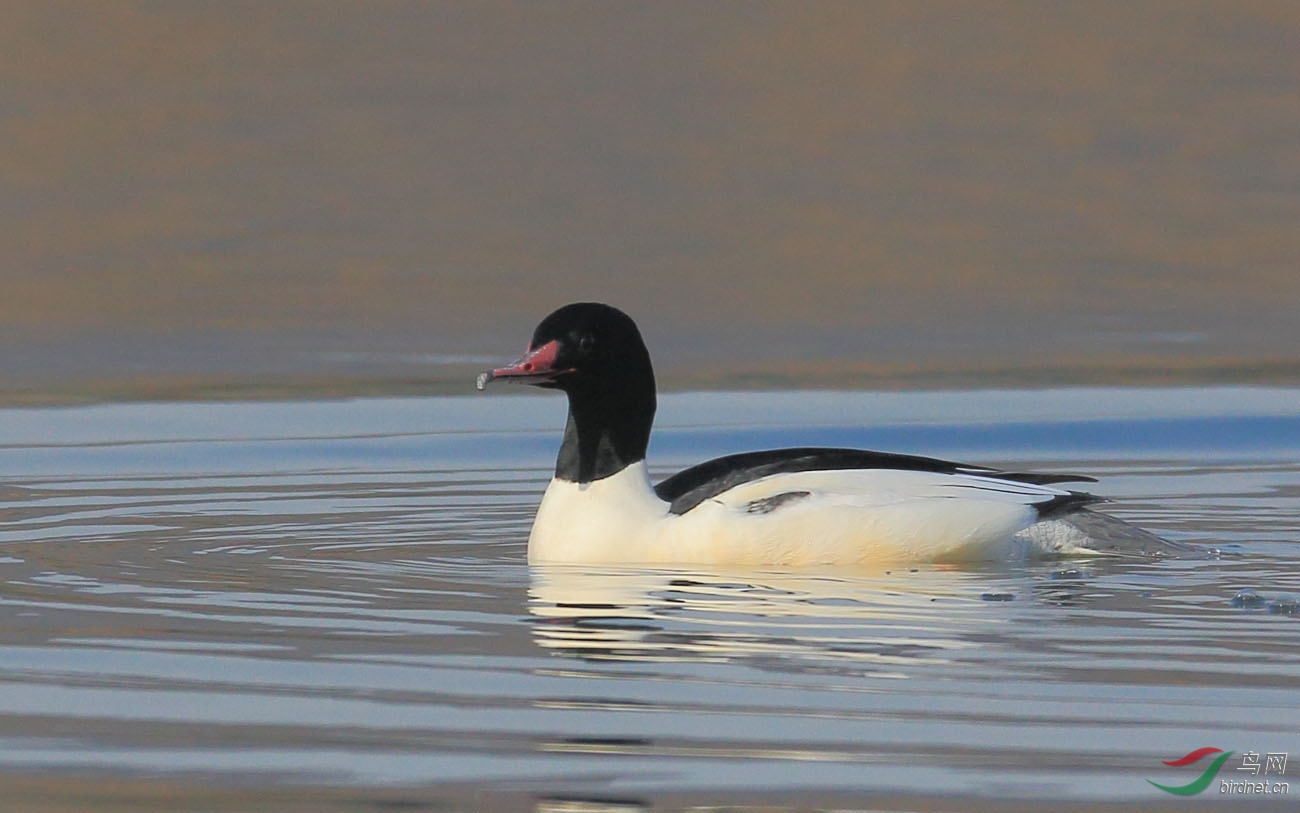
x=608, y=520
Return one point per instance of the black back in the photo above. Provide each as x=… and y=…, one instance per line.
x=690, y=487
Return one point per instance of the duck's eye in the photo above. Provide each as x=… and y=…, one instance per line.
x=585, y=344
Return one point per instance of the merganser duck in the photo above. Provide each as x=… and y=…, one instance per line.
x=783, y=507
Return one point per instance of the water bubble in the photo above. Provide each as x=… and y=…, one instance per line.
x=1248, y=600
x=1068, y=575
x=1284, y=605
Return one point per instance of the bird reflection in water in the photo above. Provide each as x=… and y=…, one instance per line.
x=875, y=624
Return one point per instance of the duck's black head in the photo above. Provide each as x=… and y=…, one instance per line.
x=595, y=354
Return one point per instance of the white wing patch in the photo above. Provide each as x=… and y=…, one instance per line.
x=879, y=487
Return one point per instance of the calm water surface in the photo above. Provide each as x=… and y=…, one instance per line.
x=326, y=603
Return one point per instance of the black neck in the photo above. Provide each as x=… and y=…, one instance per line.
x=608, y=428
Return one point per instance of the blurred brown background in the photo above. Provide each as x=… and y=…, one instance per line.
x=232, y=198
